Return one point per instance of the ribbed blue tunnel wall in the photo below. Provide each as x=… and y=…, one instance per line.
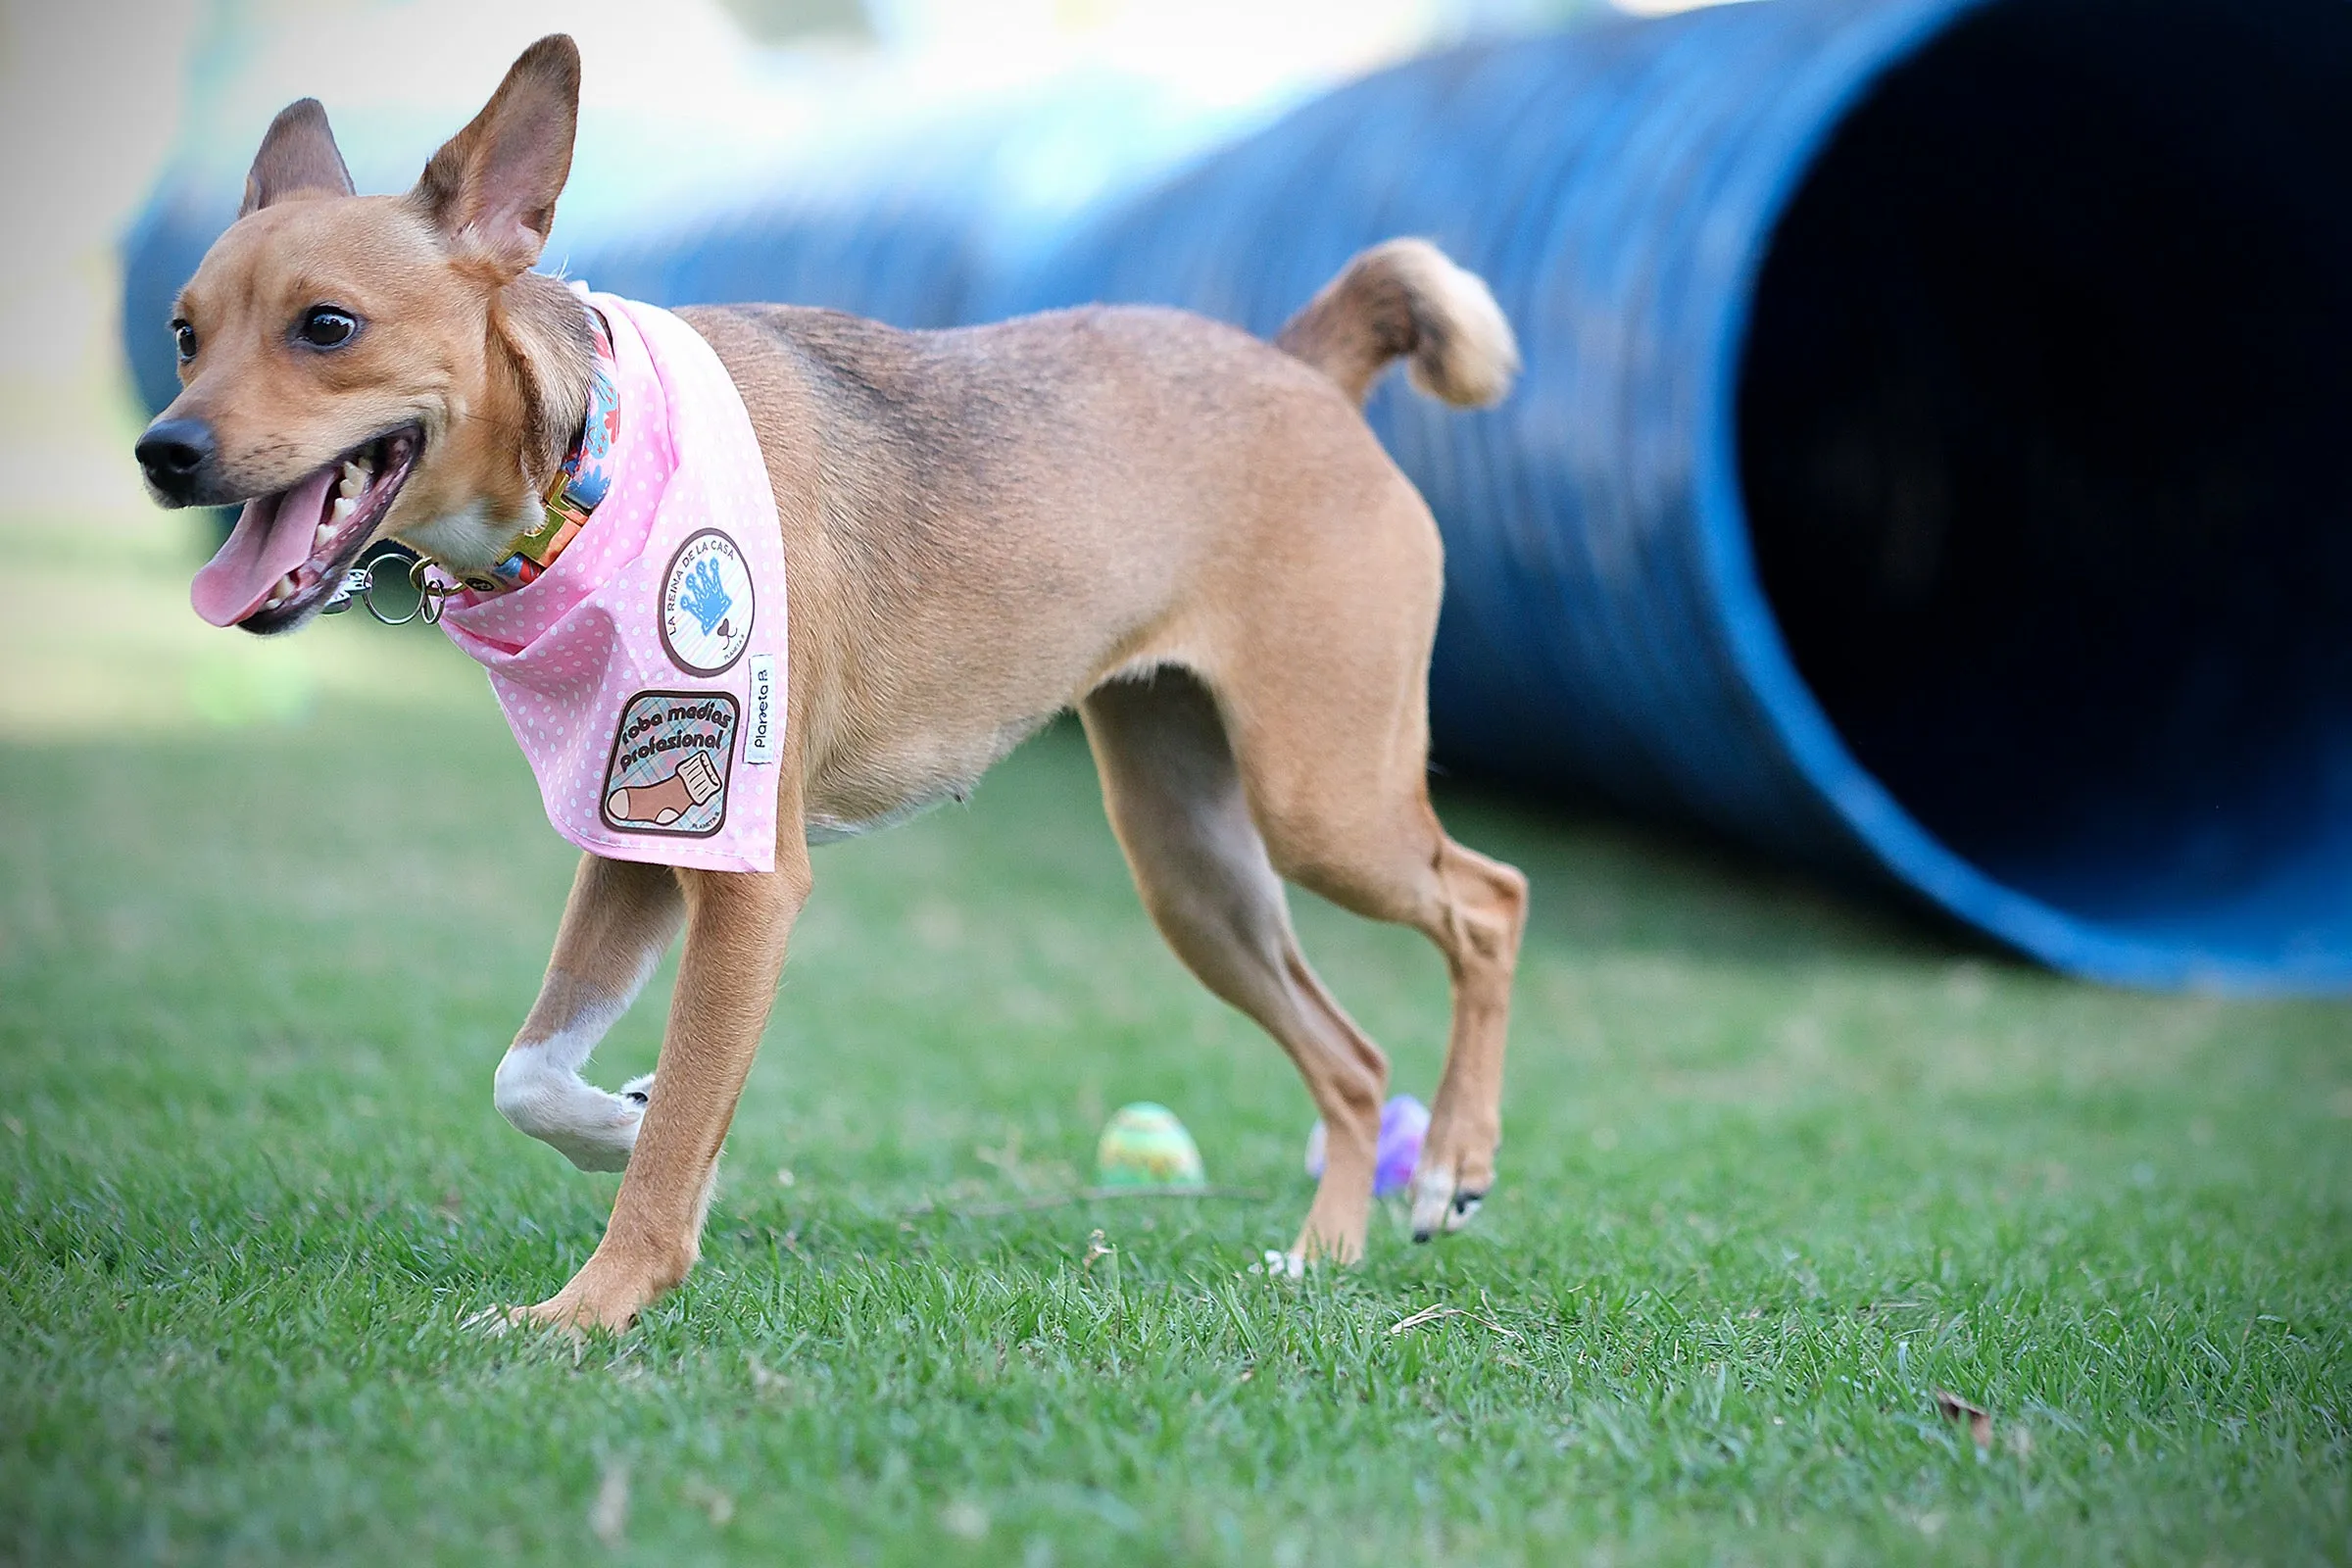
x=1928, y=465
x=1930, y=462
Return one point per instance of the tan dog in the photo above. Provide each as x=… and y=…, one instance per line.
x=1187, y=534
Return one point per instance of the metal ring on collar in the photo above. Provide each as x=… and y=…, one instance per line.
x=430, y=594
x=360, y=584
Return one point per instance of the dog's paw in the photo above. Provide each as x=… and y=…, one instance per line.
x=1441, y=1203
x=598, y=1300
x=592, y=1129
x=1281, y=1266
x=605, y=1142
x=604, y=1138
x=491, y=1322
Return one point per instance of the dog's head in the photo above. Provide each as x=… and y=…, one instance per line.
x=356, y=367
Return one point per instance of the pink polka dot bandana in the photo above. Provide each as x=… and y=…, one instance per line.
x=643, y=671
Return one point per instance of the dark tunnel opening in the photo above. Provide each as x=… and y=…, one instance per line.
x=2045, y=435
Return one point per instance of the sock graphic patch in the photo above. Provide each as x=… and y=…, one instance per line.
x=661, y=803
x=671, y=757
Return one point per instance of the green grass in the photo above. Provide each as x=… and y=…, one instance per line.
x=1777, y=1170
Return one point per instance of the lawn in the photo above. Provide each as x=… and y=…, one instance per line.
x=1778, y=1168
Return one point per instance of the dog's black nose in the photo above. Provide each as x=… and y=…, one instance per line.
x=174, y=452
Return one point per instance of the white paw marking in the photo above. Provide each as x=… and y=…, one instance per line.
x=592, y=1129
x=1438, y=1206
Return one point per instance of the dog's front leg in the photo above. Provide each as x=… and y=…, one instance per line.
x=617, y=925
x=736, y=928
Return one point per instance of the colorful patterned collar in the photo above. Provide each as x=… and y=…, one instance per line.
x=583, y=480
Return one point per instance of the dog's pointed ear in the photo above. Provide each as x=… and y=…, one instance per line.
x=492, y=187
x=298, y=158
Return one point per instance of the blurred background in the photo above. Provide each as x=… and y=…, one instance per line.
x=1921, y=475
x=710, y=103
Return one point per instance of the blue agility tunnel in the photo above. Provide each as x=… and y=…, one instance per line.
x=1932, y=459
x=1930, y=464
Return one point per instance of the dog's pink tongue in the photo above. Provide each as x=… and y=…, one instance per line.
x=272, y=537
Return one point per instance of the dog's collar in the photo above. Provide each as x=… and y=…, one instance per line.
x=577, y=487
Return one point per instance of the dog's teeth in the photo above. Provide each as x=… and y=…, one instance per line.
x=344, y=508
x=326, y=531
x=355, y=479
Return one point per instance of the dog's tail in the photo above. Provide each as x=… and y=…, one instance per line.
x=1405, y=298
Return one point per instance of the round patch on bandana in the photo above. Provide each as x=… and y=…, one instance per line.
x=706, y=603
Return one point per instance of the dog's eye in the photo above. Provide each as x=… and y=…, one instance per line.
x=186, y=336
x=327, y=328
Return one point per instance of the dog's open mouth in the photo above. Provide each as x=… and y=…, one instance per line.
x=289, y=551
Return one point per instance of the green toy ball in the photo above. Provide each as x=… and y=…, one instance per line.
x=1146, y=1146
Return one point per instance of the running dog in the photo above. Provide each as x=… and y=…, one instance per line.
x=1189, y=535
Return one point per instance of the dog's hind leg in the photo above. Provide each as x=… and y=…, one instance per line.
x=1325, y=703
x=620, y=920
x=1175, y=800
x=1474, y=910
x=1355, y=826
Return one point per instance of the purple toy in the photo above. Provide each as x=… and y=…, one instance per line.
x=1404, y=1123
